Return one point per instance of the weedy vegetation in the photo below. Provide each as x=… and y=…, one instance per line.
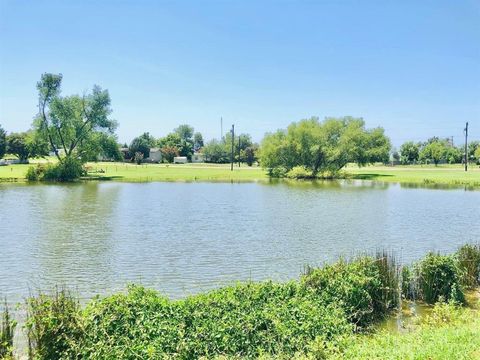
x=7, y=331
x=330, y=312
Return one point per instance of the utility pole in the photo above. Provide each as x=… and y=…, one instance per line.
x=466, y=146
x=221, y=128
x=233, y=143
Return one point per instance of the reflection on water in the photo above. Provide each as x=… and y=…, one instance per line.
x=181, y=238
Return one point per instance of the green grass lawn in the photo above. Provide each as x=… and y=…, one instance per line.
x=423, y=175
x=419, y=174
x=175, y=172
x=153, y=172
x=447, y=334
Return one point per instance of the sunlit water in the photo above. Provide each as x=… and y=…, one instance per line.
x=182, y=238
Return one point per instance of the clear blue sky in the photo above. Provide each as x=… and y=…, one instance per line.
x=412, y=67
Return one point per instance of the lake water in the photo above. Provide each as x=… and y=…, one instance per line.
x=182, y=238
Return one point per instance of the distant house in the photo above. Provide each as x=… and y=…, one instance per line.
x=198, y=158
x=180, y=160
x=155, y=155
x=126, y=153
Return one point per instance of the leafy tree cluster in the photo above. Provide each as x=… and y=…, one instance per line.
x=435, y=150
x=323, y=146
x=3, y=142
x=244, y=149
x=178, y=143
x=183, y=141
x=76, y=128
x=474, y=151
x=24, y=145
x=140, y=146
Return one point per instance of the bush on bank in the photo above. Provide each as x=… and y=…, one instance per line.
x=245, y=320
x=438, y=278
x=312, y=316
x=7, y=330
x=69, y=169
x=363, y=287
x=468, y=257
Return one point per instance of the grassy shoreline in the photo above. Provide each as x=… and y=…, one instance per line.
x=446, y=175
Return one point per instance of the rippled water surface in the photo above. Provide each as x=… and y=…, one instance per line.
x=182, y=238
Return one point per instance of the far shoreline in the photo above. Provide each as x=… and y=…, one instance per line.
x=428, y=176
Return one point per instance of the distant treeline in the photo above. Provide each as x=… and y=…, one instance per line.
x=184, y=141
x=76, y=129
x=435, y=151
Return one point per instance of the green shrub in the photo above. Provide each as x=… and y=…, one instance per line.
x=32, y=174
x=356, y=286
x=389, y=292
x=53, y=325
x=437, y=277
x=408, y=284
x=299, y=172
x=7, y=330
x=277, y=172
x=69, y=169
x=309, y=318
x=37, y=173
x=139, y=324
x=468, y=258
x=245, y=320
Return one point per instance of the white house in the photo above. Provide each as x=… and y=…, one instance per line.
x=155, y=155
x=180, y=160
x=198, y=158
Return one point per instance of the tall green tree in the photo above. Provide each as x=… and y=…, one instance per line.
x=181, y=139
x=434, y=151
x=142, y=144
x=3, y=142
x=395, y=155
x=477, y=155
x=453, y=155
x=250, y=154
x=26, y=145
x=186, y=146
x=472, y=148
x=241, y=143
x=215, y=152
x=169, y=153
x=185, y=132
x=325, y=146
x=72, y=124
x=104, y=147
x=409, y=152
x=197, y=141
x=17, y=145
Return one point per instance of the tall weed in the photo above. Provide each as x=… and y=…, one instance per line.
x=7, y=331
